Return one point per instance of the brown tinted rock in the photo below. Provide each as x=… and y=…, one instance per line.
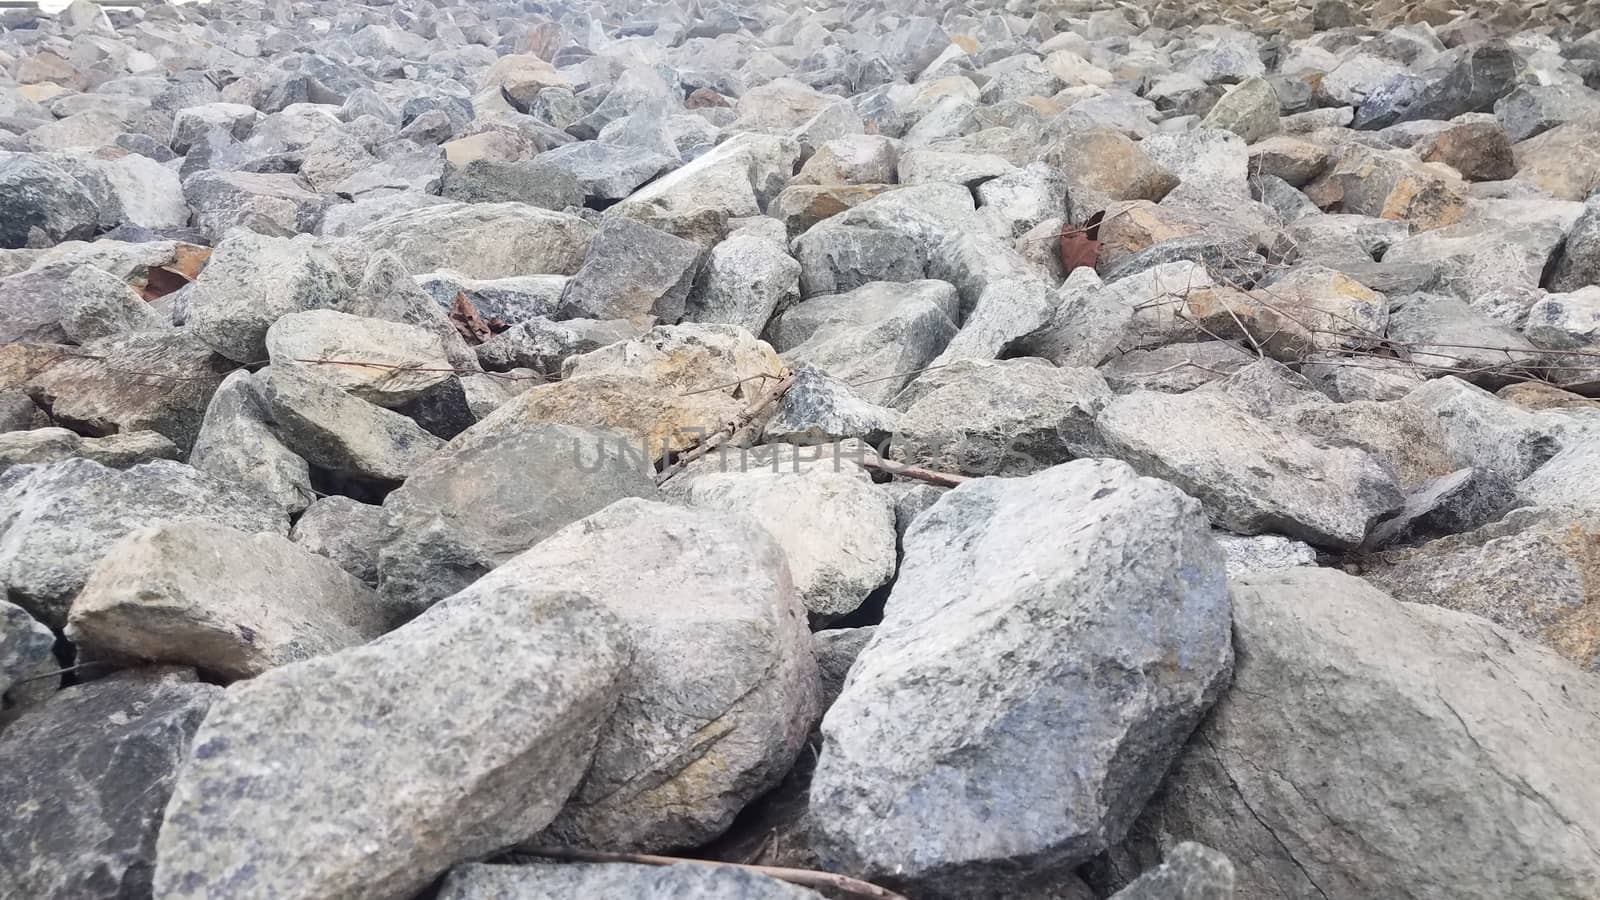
x=1480, y=151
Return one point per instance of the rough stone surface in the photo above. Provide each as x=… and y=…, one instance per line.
x=549, y=882
x=229, y=603
x=893, y=797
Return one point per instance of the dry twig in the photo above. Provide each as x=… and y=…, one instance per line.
x=803, y=877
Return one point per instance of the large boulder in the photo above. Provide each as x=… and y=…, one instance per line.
x=41, y=205
x=58, y=521
x=332, y=766
x=1252, y=474
x=332, y=429
x=230, y=603
x=1369, y=746
x=85, y=780
x=381, y=362
x=484, y=499
x=632, y=271
x=722, y=687
x=478, y=240
x=978, y=747
x=253, y=280
x=876, y=337
x=237, y=443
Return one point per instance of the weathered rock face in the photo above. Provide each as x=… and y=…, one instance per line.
x=250, y=282
x=229, y=603
x=724, y=652
x=57, y=521
x=632, y=271
x=386, y=363
x=479, y=240
x=86, y=779
x=332, y=429
x=43, y=205
x=237, y=444
x=894, y=796
x=361, y=762
x=1253, y=475
x=483, y=500
x=1321, y=652
x=836, y=528
x=1014, y=417
x=874, y=338
x=26, y=659
x=686, y=881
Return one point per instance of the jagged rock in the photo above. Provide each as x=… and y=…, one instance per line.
x=1249, y=109
x=478, y=240
x=1579, y=263
x=1404, y=435
x=42, y=204
x=385, y=363
x=1263, y=553
x=58, y=520
x=1482, y=431
x=1190, y=872
x=229, y=603
x=1013, y=417
x=86, y=778
x=746, y=279
x=361, y=761
x=512, y=300
x=192, y=123
x=250, y=282
x=524, y=181
x=632, y=271
x=1174, y=368
x=1388, y=185
x=1533, y=109
x=27, y=657
x=115, y=451
x=1564, y=161
x=852, y=159
x=606, y=171
x=96, y=304
x=874, y=338
x=836, y=529
x=895, y=728
x=1103, y=166
x=817, y=409
x=236, y=443
x=484, y=499
x=329, y=428
x=1252, y=475
x=1317, y=649
x=690, y=882
x=1480, y=151
x=654, y=783
x=277, y=205
x=1449, y=504
x=1447, y=336
x=543, y=345
x=345, y=531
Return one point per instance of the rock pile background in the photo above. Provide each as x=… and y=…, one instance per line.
x=1009, y=450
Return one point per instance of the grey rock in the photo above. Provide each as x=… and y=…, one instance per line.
x=346, y=531
x=86, y=778
x=1533, y=109
x=543, y=345
x=18, y=412
x=277, y=205
x=837, y=650
x=1566, y=480
x=251, y=281
x=329, y=428
x=43, y=205
x=1174, y=368
x=237, y=444
x=96, y=304
x=1403, y=435
x=1483, y=431
x=524, y=181
x=27, y=655
x=489, y=496
x=557, y=882
x=817, y=409
x=1449, y=504
x=58, y=520
x=1252, y=475
x=513, y=300
x=1446, y=336
x=720, y=647
x=229, y=603
x=837, y=258
x=606, y=171
x=1006, y=308
x=192, y=123
x=745, y=281
x=932, y=708
x=478, y=240
x=1190, y=872
x=116, y=451
x=1318, y=650
x=394, y=363
x=1013, y=417
x=836, y=528
x=874, y=338
x=1249, y=109
x=362, y=761
x=632, y=271
x=1263, y=553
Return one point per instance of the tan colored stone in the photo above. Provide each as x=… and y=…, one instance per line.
x=1480, y=151
x=1564, y=161
x=1295, y=160
x=1390, y=185
x=1103, y=167
x=1132, y=226
x=801, y=206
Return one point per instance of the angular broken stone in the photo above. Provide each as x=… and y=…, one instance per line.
x=386, y=363
x=746, y=279
x=86, y=779
x=875, y=338
x=360, y=761
x=332, y=429
x=478, y=240
x=632, y=271
x=253, y=280
x=1076, y=750
x=547, y=882
x=57, y=521
x=115, y=451
x=229, y=603
x=1252, y=475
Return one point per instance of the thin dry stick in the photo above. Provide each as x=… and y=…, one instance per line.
x=803, y=877
x=717, y=438
x=915, y=473
x=409, y=368
x=726, y=385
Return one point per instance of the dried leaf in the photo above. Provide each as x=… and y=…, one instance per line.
x=185, y=267
x=472, y=327
x=1081, y=246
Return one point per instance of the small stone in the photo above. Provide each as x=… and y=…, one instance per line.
x=345, y=531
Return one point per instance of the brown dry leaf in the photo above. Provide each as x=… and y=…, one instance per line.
x=471, y=325
x=185, y=267
x=1081, y=246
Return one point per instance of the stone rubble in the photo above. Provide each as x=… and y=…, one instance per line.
x=1026, y=449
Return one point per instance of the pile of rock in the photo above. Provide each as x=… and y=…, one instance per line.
x=358, y=365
